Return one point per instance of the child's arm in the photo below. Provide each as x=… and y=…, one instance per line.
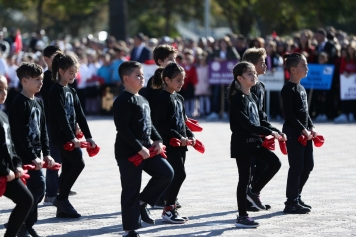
x=287, y=96
x=161, y=118
x=57, y=103
x=122, y=114
x=44, y=133
x=81, y=120
x=239, y=108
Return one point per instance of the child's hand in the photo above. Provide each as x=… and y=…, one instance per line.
x=49, y=160
x=158, y=147
x=76, y=142
x=283, y=137
x=193, y=140
x=19, y=172
x=92, y=143
x=145, y=153
x=10, y=176
x=313, y=132
x=307, y=134
x=38, y=163
x=183, y=141
x=77, y=129
x=276, y=135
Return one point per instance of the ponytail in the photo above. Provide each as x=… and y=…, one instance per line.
x=157, y=81
x=55, y=68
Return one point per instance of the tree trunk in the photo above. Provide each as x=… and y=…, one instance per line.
x=39, y=14
x=167, y=15
x=118, y=19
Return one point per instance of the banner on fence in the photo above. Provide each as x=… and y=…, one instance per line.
x=220, y=73
x=348, y=87
x=273, y=81
x=319, y=77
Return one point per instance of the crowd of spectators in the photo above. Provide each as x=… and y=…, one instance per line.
x=99, y=82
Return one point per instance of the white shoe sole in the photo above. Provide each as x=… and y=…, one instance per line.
x=254, y=204
x=245, y=226
x=171, y=221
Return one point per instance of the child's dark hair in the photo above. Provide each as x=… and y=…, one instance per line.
x=292, y=60
x=61, y=61
x=29, y=70
x=171, y=71
x=238, y=70
x=162, y=52
x=50, y=50
x=126, y=68
x=254, y=54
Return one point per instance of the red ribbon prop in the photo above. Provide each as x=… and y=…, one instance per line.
x=193, y=125
x=3, y=181
x=92, y=151
x=269, y=143
x=198, y=144
x=318, y=140
x=137, y=159
x=80, y=135
x=56, y=166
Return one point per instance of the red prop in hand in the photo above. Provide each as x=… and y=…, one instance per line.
x=318, y=140
x=56, y=166
x=3, y=181
x=137, y=159
x=92, y=151
x=303, y=140
x=24, y=177
x=199, y=146
x=283, y=147
x=80, y=135
x=193, y=125
x=269, y=142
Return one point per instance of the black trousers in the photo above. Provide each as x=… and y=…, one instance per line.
x=243, y=164
x=72, y=166
x=301, y=163
x=161, y=175
x=21, y=196
x=176, y=158
x=257, y=169
x=36, y=185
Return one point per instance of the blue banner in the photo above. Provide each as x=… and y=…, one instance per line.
x=319, y=77
x=220, y=73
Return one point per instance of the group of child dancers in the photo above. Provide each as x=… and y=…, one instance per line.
x=145, y=126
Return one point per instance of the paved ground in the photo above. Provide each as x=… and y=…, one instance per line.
x=208, y=194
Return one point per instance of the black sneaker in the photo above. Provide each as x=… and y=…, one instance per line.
x=64, y=207
x=60, y=214
x=146, y=215
x=160, y=204
x=254, y=198
x=295, y=209
x=303, y=204
x=172, y=216
x=132, y=233
x=23, y=232
x=245, y=222
x=178, y=204
x=72, y=193
x=32, y=232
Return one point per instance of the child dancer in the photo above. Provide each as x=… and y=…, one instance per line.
x=257, y=56
x=170, y=122
x=297, y=122
x=136, y=133
x=65, y=111
x=29, y=132
x=162, y=54
x=11, y=167
x=247, y=124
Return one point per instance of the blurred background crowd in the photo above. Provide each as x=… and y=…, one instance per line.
x=98, y=80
